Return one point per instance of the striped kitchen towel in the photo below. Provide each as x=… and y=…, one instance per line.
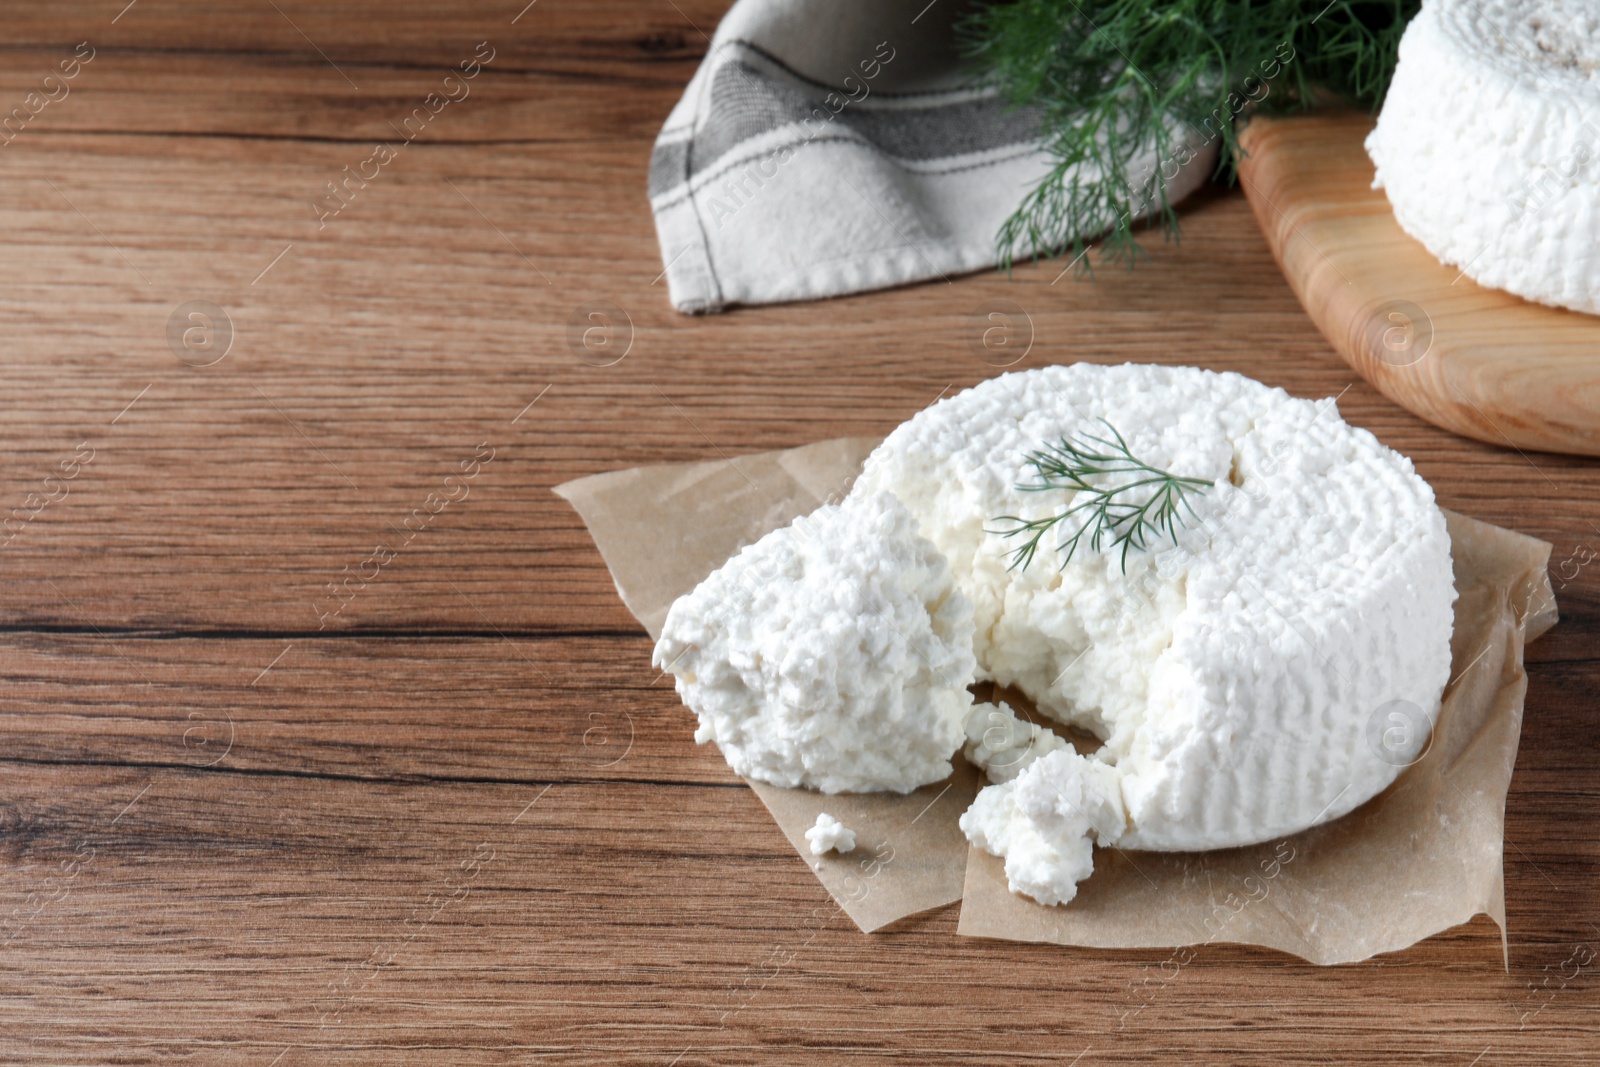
x=834, y=146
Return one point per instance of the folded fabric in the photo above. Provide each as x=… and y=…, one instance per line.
x=830, y=146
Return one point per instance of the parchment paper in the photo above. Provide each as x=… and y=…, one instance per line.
x=1419, y=858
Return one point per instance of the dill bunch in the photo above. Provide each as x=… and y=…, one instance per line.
x=1109, y=517
x=1112, y=77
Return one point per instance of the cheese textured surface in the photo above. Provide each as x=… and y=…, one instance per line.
x=1488, y=145
x=1234, y=675
x=834, y=653
x=1002, y=746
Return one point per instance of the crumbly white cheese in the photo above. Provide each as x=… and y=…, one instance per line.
x=1043, y=820
x=830, y=835
x=1488, y=145
x=1233, y=674
x=834, y=653
x=1002, y=745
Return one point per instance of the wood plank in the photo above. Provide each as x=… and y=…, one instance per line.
x=338, y=918
x=494, y=708
x=290, y=97
x=377, y=354
x=589, y=38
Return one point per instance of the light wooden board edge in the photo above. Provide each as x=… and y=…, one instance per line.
x=1480, y=362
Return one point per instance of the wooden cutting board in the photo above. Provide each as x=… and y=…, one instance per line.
x=1476, y=361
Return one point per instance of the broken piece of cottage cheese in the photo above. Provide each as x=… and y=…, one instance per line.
x=834, y=653
x=1043, y=821
x=1232, y=673
x=1002, y=745
x=830, y=835
x=1488, y=144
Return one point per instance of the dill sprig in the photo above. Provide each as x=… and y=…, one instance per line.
x=1120, y=80
x=1109, y=519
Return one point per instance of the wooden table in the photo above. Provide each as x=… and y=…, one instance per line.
x=460, y=820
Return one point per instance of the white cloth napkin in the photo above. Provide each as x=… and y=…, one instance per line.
x=834, y=146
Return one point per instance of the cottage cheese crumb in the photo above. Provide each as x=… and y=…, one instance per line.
x=830, y=835
x=1044, y=820
x=834, y=653
x=1002, y=745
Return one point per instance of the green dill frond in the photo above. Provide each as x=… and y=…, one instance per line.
x=1109, y=519
x=1115, y=78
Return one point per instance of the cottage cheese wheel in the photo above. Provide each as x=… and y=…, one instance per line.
x=1488, y=145
x=1234, y=674
x=834, y=653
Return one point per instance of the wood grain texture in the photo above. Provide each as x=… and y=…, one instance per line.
x=237, y=828
x=1476, y=361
